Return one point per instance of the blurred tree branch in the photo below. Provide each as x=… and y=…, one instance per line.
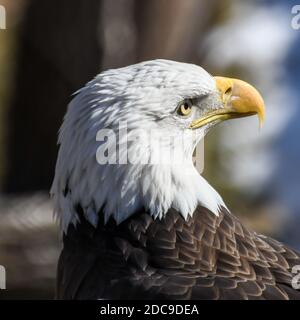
x=59, y=50
x=172, y=29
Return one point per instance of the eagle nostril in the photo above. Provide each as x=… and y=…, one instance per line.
x=228, y=91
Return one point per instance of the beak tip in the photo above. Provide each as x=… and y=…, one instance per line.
x=261, y=124
x=261, y=115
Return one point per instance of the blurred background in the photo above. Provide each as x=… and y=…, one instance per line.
x=51, y=48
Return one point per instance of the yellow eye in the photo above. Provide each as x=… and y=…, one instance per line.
x=185, y=108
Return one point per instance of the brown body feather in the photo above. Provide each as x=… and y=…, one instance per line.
x=205, y=257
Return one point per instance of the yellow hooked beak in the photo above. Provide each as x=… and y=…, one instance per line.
x=239, y=99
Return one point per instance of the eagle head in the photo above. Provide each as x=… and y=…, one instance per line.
x=128, y=136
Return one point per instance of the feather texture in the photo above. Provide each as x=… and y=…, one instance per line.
x=203, y=257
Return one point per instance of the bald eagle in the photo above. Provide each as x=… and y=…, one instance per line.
x=138, y=228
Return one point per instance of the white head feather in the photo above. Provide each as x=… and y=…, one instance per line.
x=144, y=97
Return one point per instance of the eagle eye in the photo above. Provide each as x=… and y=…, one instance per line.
x=185, y=108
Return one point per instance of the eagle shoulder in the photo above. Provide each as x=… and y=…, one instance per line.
x=203, y=257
